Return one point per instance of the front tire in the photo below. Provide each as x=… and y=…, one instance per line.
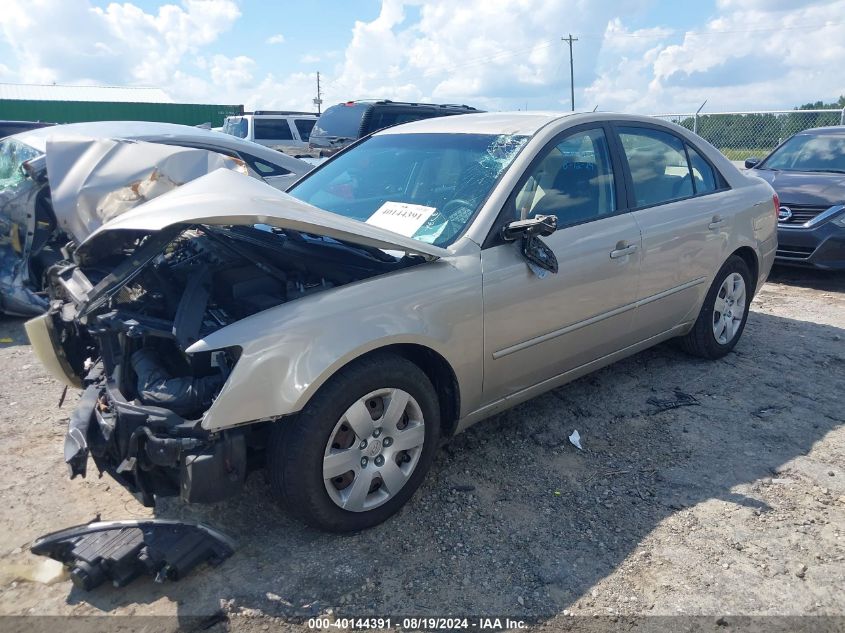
x=723, y=315
x=360, y=448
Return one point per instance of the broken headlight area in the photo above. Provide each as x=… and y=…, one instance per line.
x=120, y=551
x=150, y=449
x=123, y=335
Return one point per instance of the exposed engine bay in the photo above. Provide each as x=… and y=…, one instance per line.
x=124, y=317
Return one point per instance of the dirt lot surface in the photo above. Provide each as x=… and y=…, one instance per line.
x=732, y=506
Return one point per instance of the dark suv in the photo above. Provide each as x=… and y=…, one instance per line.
x=344, y=123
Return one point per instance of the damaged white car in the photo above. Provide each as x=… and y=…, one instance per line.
x=433, y=275
x=58, y=184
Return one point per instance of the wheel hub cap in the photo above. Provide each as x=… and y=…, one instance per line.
x=373, y=449
x=729, y=308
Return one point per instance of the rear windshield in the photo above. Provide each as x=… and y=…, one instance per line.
x=383, y=118
x=342, y=121
x=236, y=126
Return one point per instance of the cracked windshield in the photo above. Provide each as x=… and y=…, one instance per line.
x=12, y=156
x=424, y=186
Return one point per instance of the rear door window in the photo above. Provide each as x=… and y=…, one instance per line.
x=658, y=164
x=272, y=130
x=304, y=127
x=263, y=167
x=703, y=176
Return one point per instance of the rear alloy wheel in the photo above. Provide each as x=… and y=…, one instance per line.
x=729, y=308
x=723, y=315
x=360, y=448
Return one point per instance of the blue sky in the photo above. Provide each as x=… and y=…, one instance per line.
x=633, y=55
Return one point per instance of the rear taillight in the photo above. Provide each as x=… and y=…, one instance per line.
x=776, y=202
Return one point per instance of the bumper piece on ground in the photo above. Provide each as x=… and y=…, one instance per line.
x=120, y=551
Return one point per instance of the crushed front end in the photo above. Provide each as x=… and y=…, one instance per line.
x=119, y=327
x=140, y=413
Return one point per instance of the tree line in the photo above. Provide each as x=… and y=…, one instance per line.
x=746, y=131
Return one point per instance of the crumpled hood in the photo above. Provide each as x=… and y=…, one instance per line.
x=93, y=180
x=810, y=188
x=227, y=198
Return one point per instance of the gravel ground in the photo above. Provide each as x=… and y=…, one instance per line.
x=731, y=506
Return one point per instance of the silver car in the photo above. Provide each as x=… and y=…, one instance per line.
x=425, y=279
x=59, y=183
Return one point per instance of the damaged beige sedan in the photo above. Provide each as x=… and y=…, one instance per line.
x=428, y=277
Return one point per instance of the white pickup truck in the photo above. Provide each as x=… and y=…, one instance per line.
x=283, y=130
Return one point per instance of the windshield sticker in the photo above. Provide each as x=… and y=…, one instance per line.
x=401, y=217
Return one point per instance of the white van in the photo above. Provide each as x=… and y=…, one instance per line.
x=281, y=129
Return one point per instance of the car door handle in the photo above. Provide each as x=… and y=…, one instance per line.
x=716, y=222
x=623, y=251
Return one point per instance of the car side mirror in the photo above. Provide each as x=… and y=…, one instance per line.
x=751, y=162
x=543, y=225
x=539, y=257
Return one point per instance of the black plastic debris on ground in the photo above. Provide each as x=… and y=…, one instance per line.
x=120, y=551
x=681, y=399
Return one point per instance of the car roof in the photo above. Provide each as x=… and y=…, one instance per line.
x=522, y=123
x=833, y=130
x=158, y=133
x=526, y=123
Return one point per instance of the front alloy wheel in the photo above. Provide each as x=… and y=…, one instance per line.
x=360, y=448
x=373, y=450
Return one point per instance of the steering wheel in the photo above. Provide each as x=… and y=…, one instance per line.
x=453, y=205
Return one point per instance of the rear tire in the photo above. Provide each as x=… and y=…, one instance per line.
x=360, y=448
x=718, y=326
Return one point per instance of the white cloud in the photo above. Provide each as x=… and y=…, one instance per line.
x=74, y=42
x=753, y=54
x=493, y=54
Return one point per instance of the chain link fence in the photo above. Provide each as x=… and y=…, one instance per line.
x=740, y=135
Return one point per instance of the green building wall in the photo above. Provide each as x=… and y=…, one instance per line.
x=77, y=111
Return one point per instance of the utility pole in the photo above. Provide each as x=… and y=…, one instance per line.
x=318, y=101
x=571, y=39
